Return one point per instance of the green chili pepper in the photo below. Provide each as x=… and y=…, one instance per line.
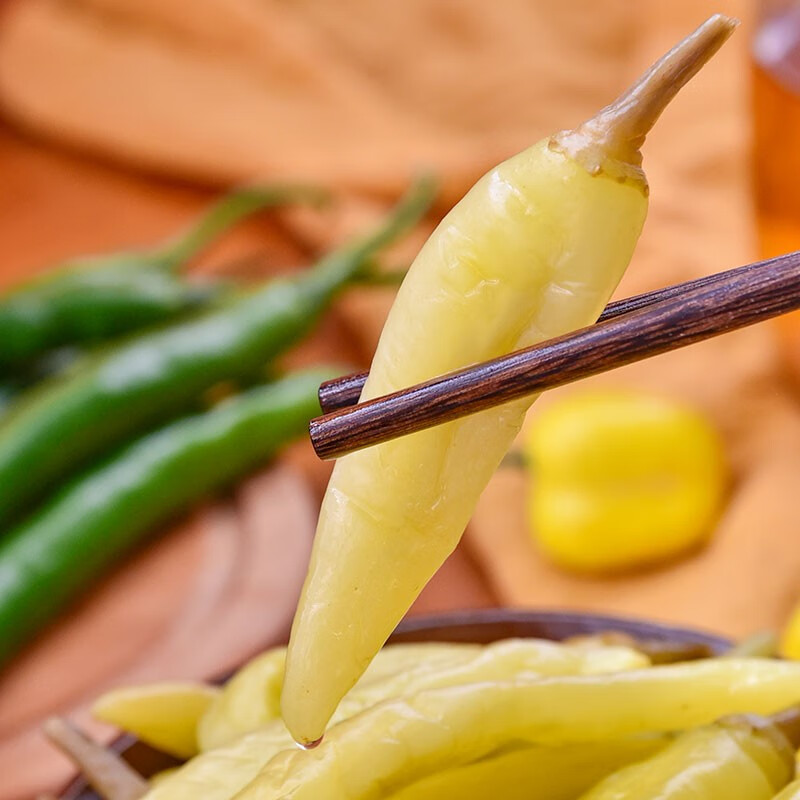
x=51, y=363
x=55, y=554
x=158, y=375
x=94, y=298
x=8, y=391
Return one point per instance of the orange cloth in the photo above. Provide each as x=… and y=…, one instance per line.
x=361, y=94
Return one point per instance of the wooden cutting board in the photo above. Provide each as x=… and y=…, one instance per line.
x=213, y=588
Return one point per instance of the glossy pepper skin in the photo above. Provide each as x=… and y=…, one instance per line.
x=534, y=772
x=407, y=739
x=52, y=556
x=52, y=363
x=790, y=792
x=8, y=391
x=621, y=479
x=145, y=381
x=163, y=715
x=736, y=759
x=96, y=298
x=249, y=700
x=790, y=636
x=534, y=250
x=239, y=739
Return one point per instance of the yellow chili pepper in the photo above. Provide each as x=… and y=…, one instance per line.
x=165, y=715
x=398, y=742
x=544, y=772
x=762, y=644
x=251, y=697
x=790, y=638
x=511, y=659
x=222, y=773
x=244, y=744
x=534, y=250
x=161, y=775
x=736, y=759
x=791, y=792
x=249, y=700
x=621, y=479
x=534, y=773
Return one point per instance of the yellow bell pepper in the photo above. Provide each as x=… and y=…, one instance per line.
x=401, y=741
x=735, y=759
x=165, y=715
x=533, y=250
x=621, y=479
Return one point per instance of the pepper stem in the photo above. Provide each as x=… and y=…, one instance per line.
x=110, y=776
x=788, y=723
x=618, y=131
x=228, y=212
x=354, y=261
x=763, y=644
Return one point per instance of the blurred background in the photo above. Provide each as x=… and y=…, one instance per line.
x=123, y=121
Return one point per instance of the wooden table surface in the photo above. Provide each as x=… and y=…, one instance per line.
x=169, y=599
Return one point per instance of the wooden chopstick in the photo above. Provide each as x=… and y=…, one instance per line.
x=689, y=314
x=345, y=391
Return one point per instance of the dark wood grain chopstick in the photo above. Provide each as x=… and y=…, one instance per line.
x=689, y=314
x=345, y=391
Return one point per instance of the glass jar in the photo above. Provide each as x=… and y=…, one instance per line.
x=776, y=124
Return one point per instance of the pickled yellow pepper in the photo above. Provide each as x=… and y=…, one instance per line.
x=163, y=715
x=407, y=739
x=790, y=636
x=247, y=702
x=742, y=758
x=533, y=250
x=791, y=792
x=251, y=698
x=535, y=773
x=242, y=744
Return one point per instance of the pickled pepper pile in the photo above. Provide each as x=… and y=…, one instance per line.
x=519, y=718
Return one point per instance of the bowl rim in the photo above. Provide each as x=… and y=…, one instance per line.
x=481, y=625
x=454, y=624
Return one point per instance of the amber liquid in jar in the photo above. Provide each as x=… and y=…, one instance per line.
x=776, y=155
x=776, y=120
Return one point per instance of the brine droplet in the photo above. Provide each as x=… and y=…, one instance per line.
x=309, y=745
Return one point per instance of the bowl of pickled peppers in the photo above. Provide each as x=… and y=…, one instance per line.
x=531, y=705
